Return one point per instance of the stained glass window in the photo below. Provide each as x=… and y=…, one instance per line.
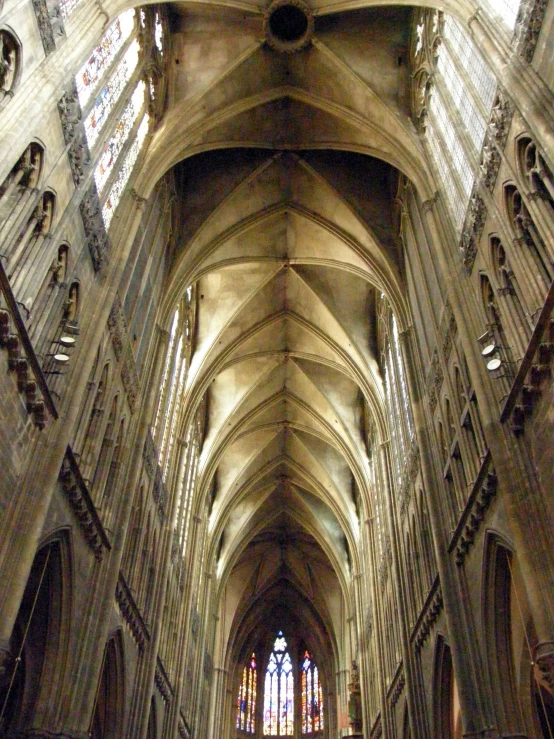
x=279, y=691
x=246, y=703
x=124, y=173
x=103, y=55
x=117, y=140
x=110, y=94
x=312, y=697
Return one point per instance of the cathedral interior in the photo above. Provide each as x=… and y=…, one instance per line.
x=276, y=357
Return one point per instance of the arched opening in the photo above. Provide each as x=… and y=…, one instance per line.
x=36, y=660
x=447, y=710
x=107, y=720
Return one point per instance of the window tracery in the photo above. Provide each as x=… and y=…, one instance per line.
x=246, y=703
x=279, y=691
x=111, y=93
x=125, y=172
x=103, y=55
x=117, y=141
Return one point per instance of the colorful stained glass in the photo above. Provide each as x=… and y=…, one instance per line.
x=246, y=703
x=124, y=173
x=117, y=140
x=312, y=697
x=279, y=692
x=111, y=93
x=103, y=55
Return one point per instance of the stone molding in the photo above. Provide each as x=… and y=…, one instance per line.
x=474, y=514
x=398, y=690
x=76, y=490
x=162, y=682
x=130, y=613
x=428, y=616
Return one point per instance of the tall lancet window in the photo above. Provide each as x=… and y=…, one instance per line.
x=246, y=703
x=312, y=697
x=279, y=691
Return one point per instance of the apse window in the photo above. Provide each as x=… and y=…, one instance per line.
x=279, y=691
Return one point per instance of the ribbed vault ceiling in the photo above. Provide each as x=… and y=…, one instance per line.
x=285, y=222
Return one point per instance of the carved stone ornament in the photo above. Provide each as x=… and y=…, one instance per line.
x=79, y=158
x=434, y=606
x=70, y=113
x=162, y=682
x=50, y=24
x=424, y=44
x=398, y=690
x=434, y=380
x=82, y=506
x=495, y=139
x=528, y=26
x=476, y=516
x=95, y=231
x=130, y=613
x=476, y=215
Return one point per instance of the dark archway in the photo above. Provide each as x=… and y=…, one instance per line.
x=36, y=665
x=107, y=721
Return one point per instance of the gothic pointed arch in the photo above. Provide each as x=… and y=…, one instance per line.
x=446, y=703
x=40, y=639
x=108, y=717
